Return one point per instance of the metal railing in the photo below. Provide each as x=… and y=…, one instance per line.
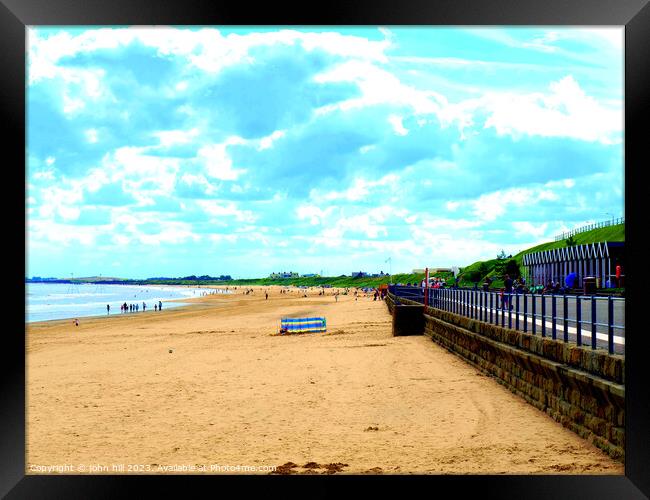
x=583, y=319
x=589, y=227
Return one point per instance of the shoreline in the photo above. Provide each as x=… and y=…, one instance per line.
x=185, y=300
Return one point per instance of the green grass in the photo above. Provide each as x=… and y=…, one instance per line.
x=609, y=234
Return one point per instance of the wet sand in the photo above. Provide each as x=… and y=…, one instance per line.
x=110, y=394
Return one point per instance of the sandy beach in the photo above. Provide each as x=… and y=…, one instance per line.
x=214, y=385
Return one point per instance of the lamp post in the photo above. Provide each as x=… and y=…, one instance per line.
x=390, y=268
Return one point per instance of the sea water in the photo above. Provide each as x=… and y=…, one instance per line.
x=47, y=301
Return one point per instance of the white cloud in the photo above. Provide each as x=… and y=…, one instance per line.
x=378, y=86
x=137, y=168
x=316, y=215
x=359, y=190
x=91, y=135
x=544, y=42
x=370, y=223
x=489, y=207
x=217, y=162
x=267, y=142
x=398, y=126
x=56, y=200
x=172, y=137
x=566, y=111
x=44, y=175
x=527, y=228
x=45, y=231
x=198, y=180
x=230, y=238
x=219, y=209
x=171, y=232
x=205, y=48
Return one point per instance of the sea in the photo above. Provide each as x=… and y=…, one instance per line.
x=48, y=301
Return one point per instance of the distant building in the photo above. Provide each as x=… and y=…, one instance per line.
x=359, y=274
x=283, y=275
x=310, y=275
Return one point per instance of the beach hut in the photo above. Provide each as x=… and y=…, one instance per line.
x=588, y=260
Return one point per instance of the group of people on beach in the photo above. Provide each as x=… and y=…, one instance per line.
x=125, y=308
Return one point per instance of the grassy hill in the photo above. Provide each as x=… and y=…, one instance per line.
x=610, y=234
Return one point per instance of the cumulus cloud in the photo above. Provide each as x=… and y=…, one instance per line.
x=312, y=146
x=218, y=163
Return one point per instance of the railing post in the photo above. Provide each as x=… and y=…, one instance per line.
x=543, y=315
x=594, y=339
x=517, y=312
x=554, y=317
x=503, y=312
x=483, y=309
x=525, y=313
x=565, y=324
x=510, y=310
x=475, y=295
x=578, y=321
x=490, y=294
x=610, y=324
x=533, y=307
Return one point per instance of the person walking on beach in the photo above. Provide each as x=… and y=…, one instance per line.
x=155, y=307
x=144, y=307
x=137, y=307
x=160, y=305
x=267, y=295
x=108, y=308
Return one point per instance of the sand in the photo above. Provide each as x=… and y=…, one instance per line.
x=211, y=388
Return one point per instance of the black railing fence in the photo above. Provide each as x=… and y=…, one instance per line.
x=589, y=227
x=582, y=319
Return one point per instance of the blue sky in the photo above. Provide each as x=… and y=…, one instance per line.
x=170, y=151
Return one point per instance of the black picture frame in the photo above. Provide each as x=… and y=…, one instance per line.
x=15, y=15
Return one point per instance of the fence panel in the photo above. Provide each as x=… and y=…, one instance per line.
x=581, y=316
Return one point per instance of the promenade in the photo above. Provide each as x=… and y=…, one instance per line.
x=213, y=384
x=536, y=313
